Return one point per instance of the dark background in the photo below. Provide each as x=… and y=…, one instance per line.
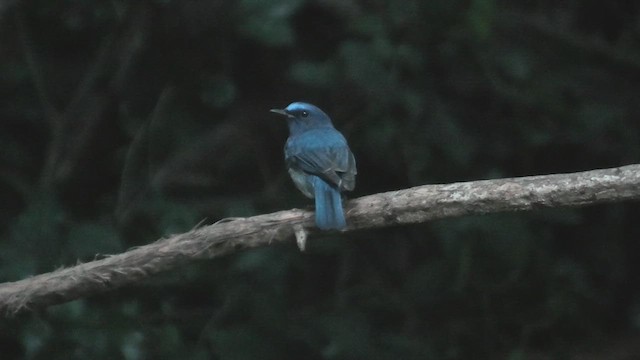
x=125, y=121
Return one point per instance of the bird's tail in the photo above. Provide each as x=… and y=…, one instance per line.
x=329, y=212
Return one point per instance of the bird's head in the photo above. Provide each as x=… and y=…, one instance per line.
x=304, y=116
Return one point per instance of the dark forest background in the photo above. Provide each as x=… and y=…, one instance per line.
x=125, y=121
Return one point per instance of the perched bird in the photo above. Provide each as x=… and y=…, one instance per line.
x=319, y=161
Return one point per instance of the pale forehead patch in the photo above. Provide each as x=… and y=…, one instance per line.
x=297, y=106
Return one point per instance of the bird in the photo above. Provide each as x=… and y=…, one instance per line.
x=319, y=162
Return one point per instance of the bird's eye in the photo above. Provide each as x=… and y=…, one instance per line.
x=304, y=113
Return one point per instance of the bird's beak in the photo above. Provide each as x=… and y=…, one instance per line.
x=281, y=112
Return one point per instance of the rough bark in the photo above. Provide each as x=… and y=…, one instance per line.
x=407, y=206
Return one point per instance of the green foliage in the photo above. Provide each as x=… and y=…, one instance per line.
x=123, y=122
x=88, y=239
x=268, y=21
x=314, y=74
x=218, y=91
x=480, y=17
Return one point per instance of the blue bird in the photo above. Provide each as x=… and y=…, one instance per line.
x=319, y=161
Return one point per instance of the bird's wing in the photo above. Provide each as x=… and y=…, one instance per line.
x=325, y=154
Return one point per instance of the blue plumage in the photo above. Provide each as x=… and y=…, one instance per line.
x=329, y=213
x=319, y=161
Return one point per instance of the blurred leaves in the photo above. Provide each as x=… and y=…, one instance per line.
x=480, y=16
x=218, y=91
x=35, y=240
x=90, y=239
x=314, y=74
x=268, y=21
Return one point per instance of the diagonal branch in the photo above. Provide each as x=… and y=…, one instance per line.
x=414, y=205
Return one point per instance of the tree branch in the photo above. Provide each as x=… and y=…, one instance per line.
x=414, y=205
